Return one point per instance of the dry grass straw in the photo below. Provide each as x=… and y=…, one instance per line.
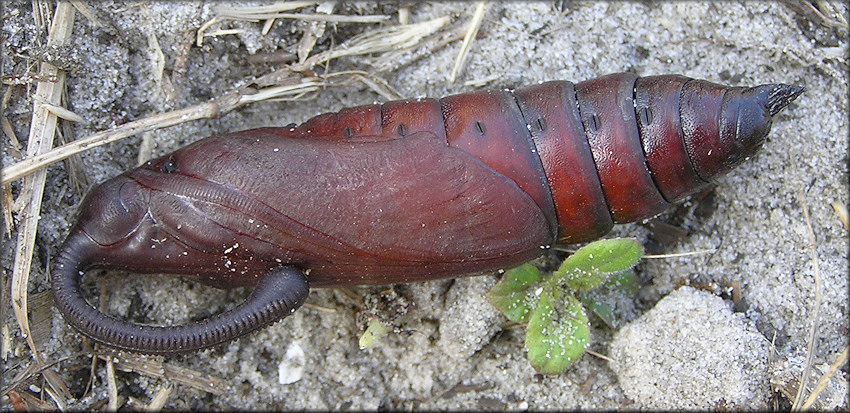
x=382, y=40
x=816, y=304
x=828, y=14
x=681, y=254
x=42, y=131
x=391, y=60
x=152, y=366
x=276, y=11
x=83, y=8
x=31, y=370
x=159, y=399
x=312, y=33
x=599, y=355
x=798, y=402
x=111, y=386
x=471, y=32
x=841, y=210
x=59, y=111
x=825, y=379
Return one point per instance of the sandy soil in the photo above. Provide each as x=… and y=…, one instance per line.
x=453, y=350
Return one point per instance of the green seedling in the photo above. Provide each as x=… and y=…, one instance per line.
x=595, y=299
x=512, y=295
x=558, y=331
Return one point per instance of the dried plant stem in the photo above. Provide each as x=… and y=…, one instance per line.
x=274, y=11
x=334, y=18
x=42, y=131
x=824, y=380
x=821, y=8
x=167, y=371
x=383, y=40
x=682, y=254
x=35, y=163
x=471, y=32
x=812, y=342
x=111, y=385
x=841, y=210
x=158, y=401
x=256, y=12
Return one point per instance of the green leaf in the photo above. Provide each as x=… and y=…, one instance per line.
x=602, y=300
x=602, y=309
x=625, y=282
x=557, y=332
x=511, y=296
x=594, y=263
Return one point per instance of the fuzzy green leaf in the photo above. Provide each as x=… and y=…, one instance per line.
x=594, y=263
x=511, y=296
x=602, y=309
x=558, y=332
x=603, y=300
x=624, y=282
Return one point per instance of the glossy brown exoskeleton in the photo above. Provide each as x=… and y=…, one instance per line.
x=404, y=191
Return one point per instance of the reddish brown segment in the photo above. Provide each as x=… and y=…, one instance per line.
x=503, y=142
x=608, y=115
x=551, y=112
x=701, y=109
x=345, y=124
x=404, y=191
x=657, y=103
x=406, y=117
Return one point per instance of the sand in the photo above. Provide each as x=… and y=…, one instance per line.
x=453, y=350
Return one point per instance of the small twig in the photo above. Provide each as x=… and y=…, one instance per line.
x=598, y=355
x=211, y=109
x=60, y=111
x=319, y=308
x=837, y=22
x=474, y=25
x=682, y=254
x=277, y=7
x=392, y=60
x=824, y=380
x=42, y=131
x=161, y=370
x=32, y=370
x=812, y=344
x=84, y=10
x=274, y=11
x=482, y=80
x=841, y=210
x=377, y=84
x=312, y=32
x=60, y=403
x=130, y=7
x=110, y=384
x=160, y=398
x=385, y=39
x=333, y=18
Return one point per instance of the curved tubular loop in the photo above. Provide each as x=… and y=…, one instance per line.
x=276, y=296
